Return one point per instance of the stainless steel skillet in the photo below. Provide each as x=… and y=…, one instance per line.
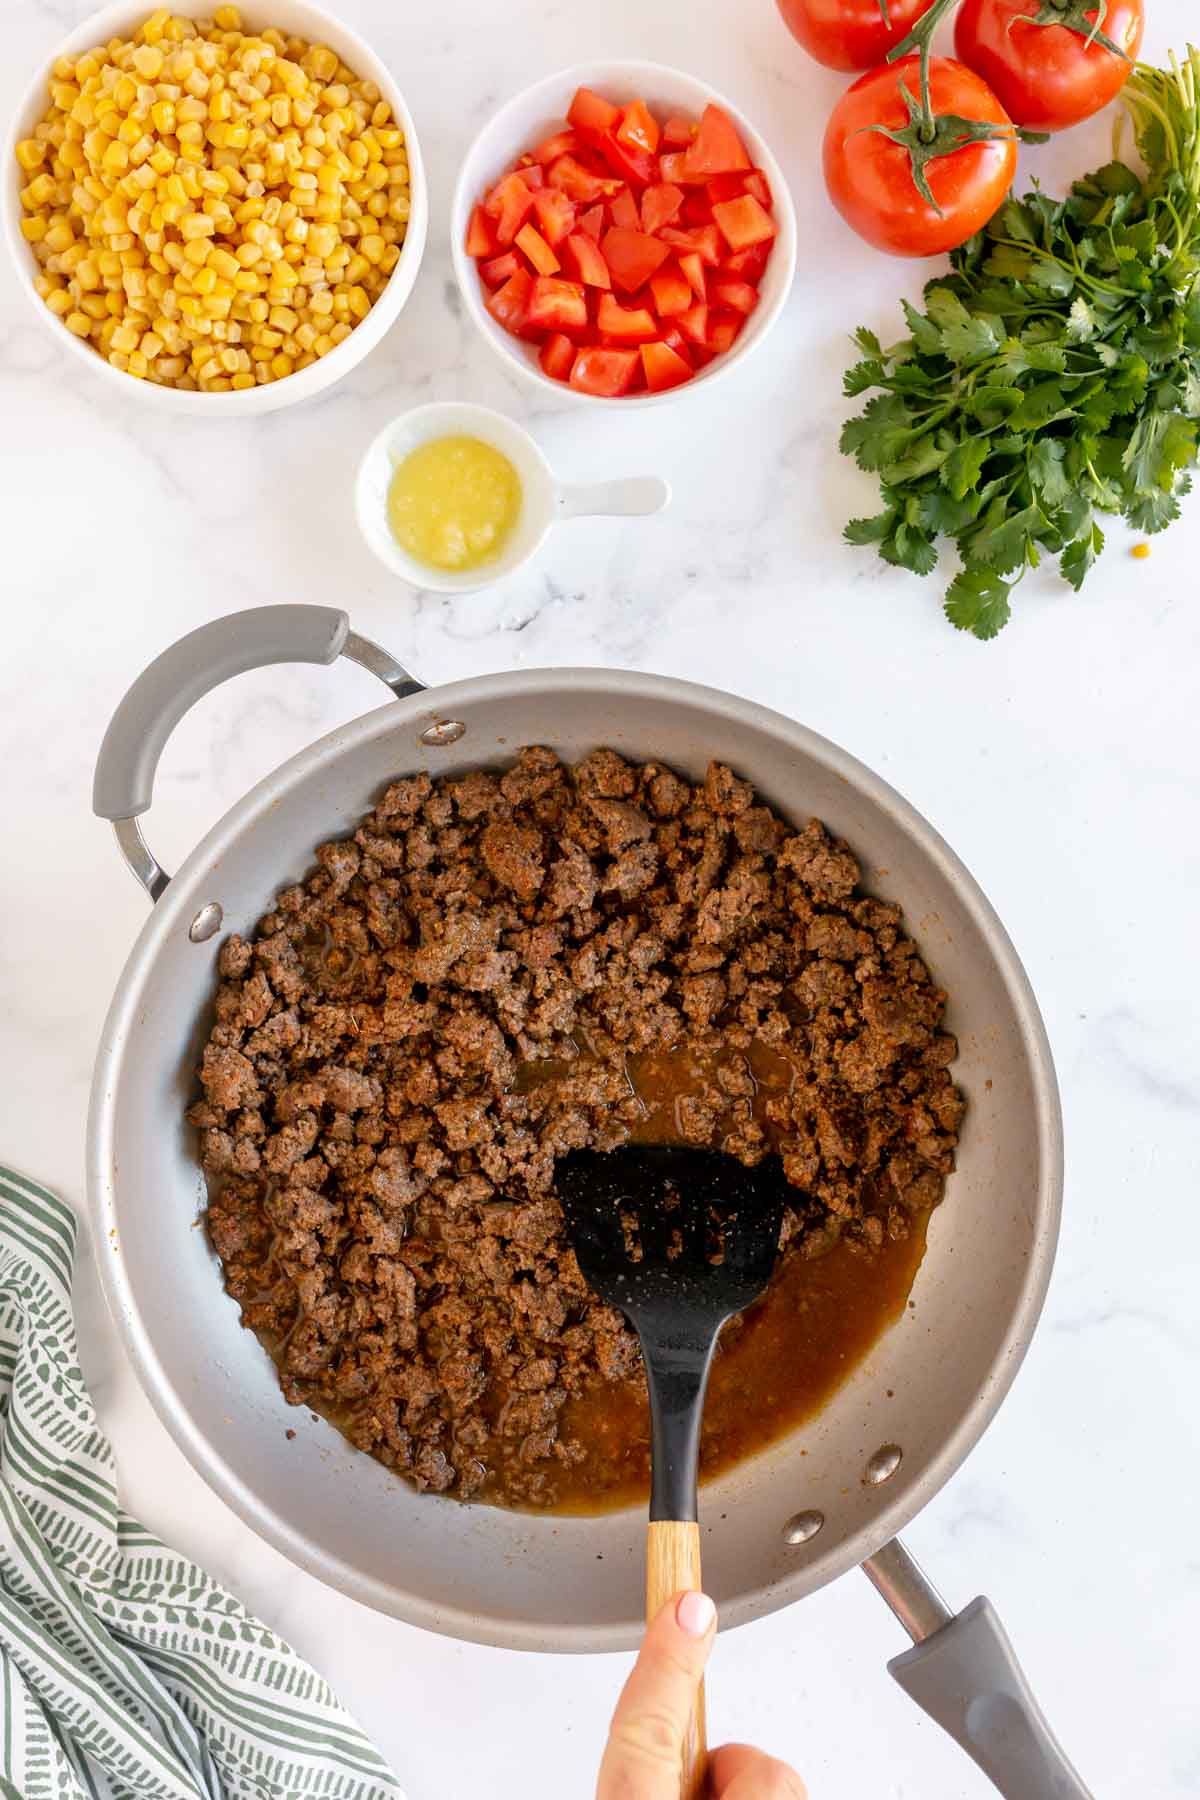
x=831, y=1496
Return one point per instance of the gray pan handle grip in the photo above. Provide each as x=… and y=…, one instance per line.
x=962, y=1671
x=138, y=731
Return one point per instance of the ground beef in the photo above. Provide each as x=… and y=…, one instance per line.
x=456, y=996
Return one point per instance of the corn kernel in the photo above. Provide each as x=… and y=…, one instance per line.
x=79, y=323
x=30, y=153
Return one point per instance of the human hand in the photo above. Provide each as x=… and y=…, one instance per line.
x=645, y=1741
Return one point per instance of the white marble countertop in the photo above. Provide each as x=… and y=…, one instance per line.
x=1059, y=761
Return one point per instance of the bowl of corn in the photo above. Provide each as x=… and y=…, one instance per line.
x=228, y=209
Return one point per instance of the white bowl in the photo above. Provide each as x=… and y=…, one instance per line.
x=296, y=17
x=528, y=118
x=544, y=499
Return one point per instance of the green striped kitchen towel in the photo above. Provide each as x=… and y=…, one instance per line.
x=126, y=1670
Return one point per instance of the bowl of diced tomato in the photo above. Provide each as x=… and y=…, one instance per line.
x=620, y=232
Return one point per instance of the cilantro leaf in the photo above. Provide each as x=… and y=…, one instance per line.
x=870, y=531
x=1079, y=556
x=977, y=601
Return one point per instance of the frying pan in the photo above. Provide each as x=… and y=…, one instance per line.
x=830, y=1496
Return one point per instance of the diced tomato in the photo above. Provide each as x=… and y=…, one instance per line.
x=557, y=305
x=592, y=222
x=660, y=204
x=744, y=222
x=678, y=344
x=509, y=305
x=624, y=210
x=636, y=166
x=717, y=149
x=678, y=130
x=584, y=257
x=758, y=185
x=738, y=296
x=725, y=187
x=633, y=257
x=569, y=174
x=531, y=241
x=705, y=240
x=747, y=265
x=531, y=173
x=507, y=204
x=694, y=324
x=675, y=167
x=500, y=268
x=672, y=293
x=628, y=325
x=692, y=265
x=555, y=214
x=556, y=356
x=563, y=143
x=481, y=235
x=639, y=127
x=604, y=372
x=589, y=111
x=697, y=208
x=723, y=328
x=664, y=367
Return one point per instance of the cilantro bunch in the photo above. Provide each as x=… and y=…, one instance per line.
x=1054, y=375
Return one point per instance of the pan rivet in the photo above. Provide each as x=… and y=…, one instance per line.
x=803, y=1526
x=206, y=923
x=883, y=1464
x=443, y=731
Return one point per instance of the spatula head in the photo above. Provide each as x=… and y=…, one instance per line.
x=664, y=1231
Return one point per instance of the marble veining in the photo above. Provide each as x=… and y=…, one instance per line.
x=1058, y=760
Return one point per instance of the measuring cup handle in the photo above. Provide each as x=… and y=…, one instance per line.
x=636, y=497
x=123, y=786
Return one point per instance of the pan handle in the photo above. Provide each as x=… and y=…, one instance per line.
x=138, y=731
x=962, y=1671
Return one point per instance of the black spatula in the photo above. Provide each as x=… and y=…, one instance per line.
x=680, y=1240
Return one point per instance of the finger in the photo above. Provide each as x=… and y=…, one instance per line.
x=644, y=1752
x=738, y=1772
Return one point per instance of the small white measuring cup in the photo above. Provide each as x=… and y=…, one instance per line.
x=544, y=499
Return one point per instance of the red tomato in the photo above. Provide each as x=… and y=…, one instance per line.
x=578, y=183
x=635, y=166
x=660, y=203
x=674, y=167
x=678, y=132
x=697, y=208
x=628, y=324
x=705, y=240
x=556, y=356
x=499, y=269
x=583, y=255
x=509, y=305
x=481, y=238
x=747, y=265
x=738, y=296
x=664, y=367
x=758, y=185
x=723, y=328
x=591, y=112
x=725, y=187
x=632, y=257
x=870, y=179
x=592, y=222
x=624, y=211
x=556, y=305
x=672, y=293
x=639, y=127
x=530, y=240
x=850, y=34
x=507, y=204
x=555, y=214
x=694, y=324
x=692, y=265
x=1047, y=76
x=604, y=372
x=563, y=143
x=717, y=148
x=744, y=222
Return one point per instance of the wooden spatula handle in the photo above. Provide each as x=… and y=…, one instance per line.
x=672, y=1564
